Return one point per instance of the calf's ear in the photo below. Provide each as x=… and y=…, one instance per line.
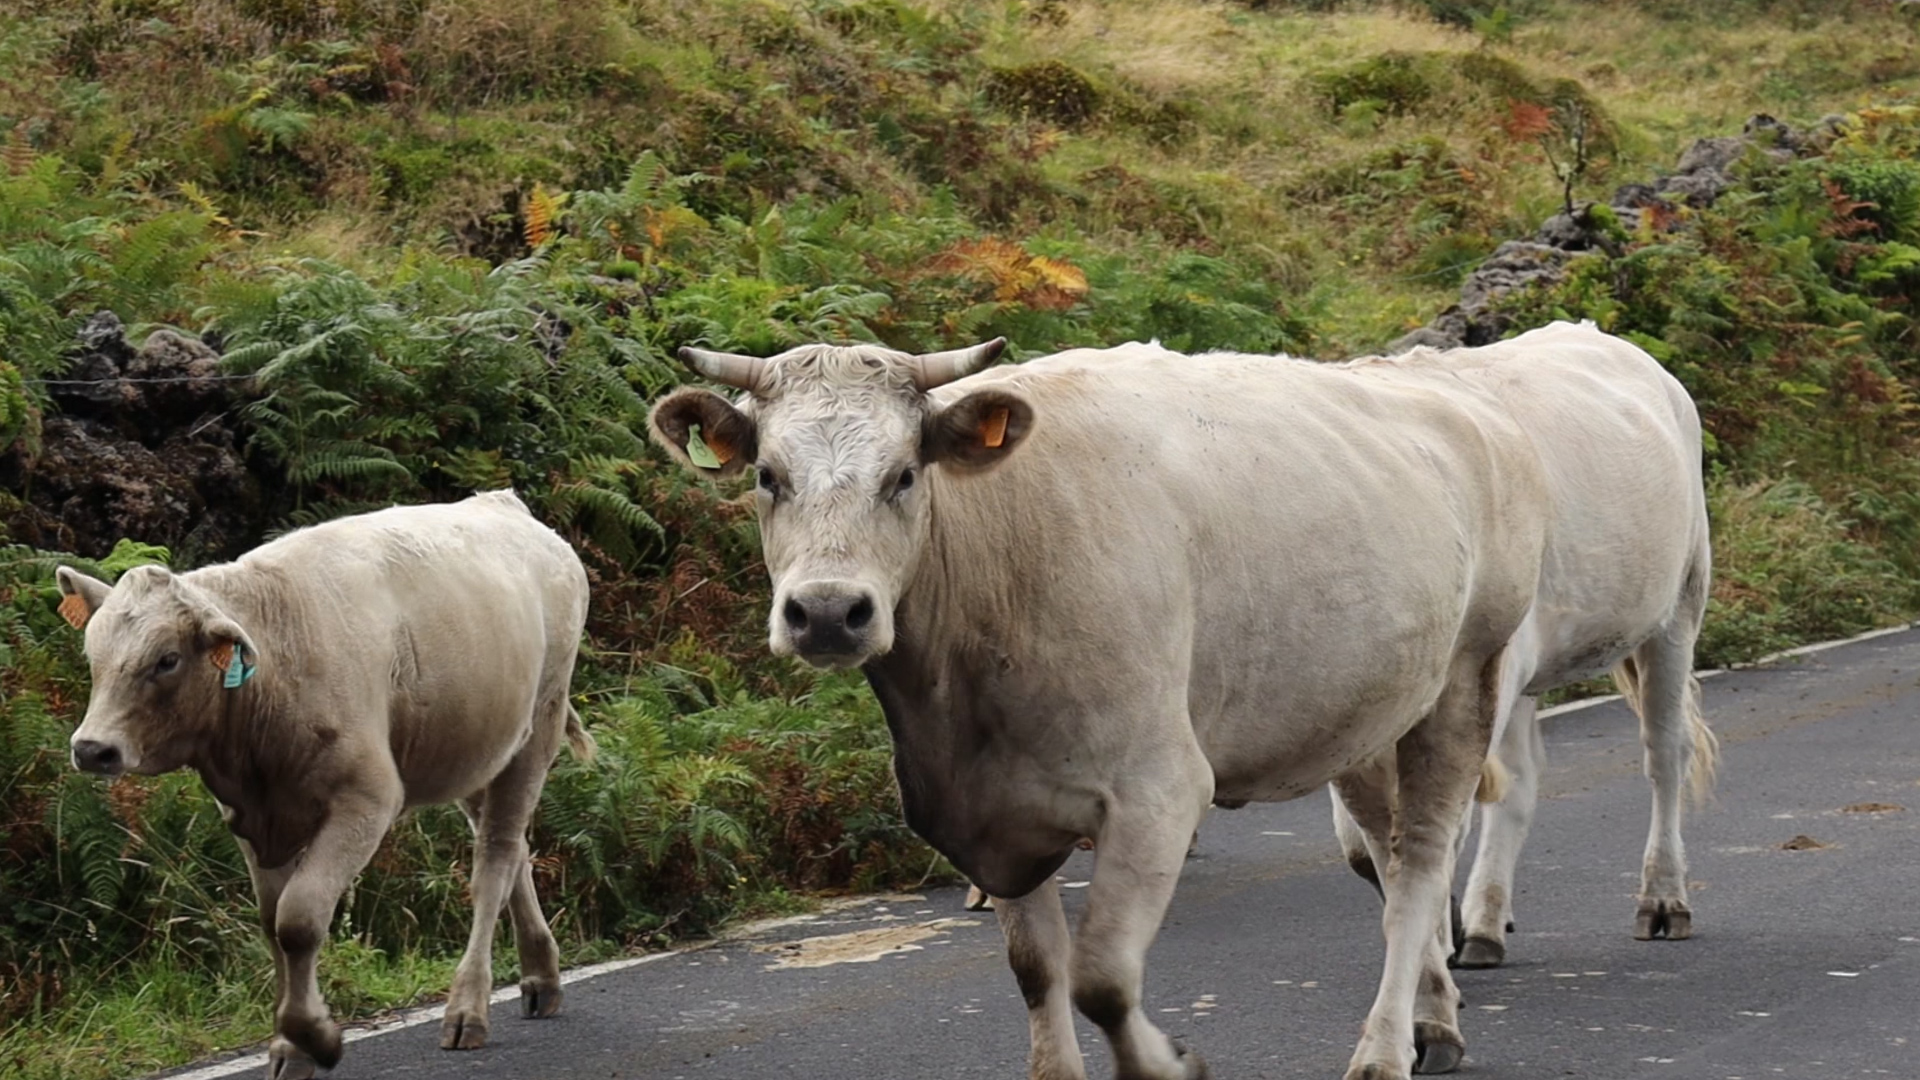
x=80, y=595
x=703, y=431
x=978, y=431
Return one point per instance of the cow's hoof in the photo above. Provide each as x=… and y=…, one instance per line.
x=317, y=1038
x=978, y=900
x=1194, y=1066
x=286, y=1061
x=1436, y=1047
x=463, y=1030
x=1670, y=919
x=540, y=997
x=1482, y=952
x=1375, y=1071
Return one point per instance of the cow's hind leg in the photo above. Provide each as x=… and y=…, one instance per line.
x=1414, y=1023
x=1488, y=911
x=304, y=1034
x=1141, y=848
x=503, y=873
x=1679, y=747
x=1040, y=951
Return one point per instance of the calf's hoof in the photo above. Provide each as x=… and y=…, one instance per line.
x=463, y=1029
x=317, y=1038
x=1482, y=952
x=540, y=997
x=1670, y=919
x=286, y=1061
x=1436, y=1048
x=978, y=900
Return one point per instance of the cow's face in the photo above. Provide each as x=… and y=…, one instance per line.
x=159, y=649
x=842, y=444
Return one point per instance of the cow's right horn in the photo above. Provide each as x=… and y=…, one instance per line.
x=941, y=368
x=728, y=369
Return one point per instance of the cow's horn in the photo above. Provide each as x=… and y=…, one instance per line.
x=728, y=369
x=941, y=368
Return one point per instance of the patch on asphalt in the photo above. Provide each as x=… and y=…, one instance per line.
x=1872, y=808
x=1803, y=842
x=858, y=947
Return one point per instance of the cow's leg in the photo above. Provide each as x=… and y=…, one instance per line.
x=1673, y=735
x=1141, y=846
x=503, y=874
x=1413, y=1025
x=1040, y=950
x=304, y=1034
x=1355, y=845
x=267, y=887
x=1488, y=910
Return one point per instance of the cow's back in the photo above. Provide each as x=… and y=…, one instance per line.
x=1619, y=440
x=440, y=626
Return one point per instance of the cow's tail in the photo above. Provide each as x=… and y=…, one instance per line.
x=1494, y=781
x=1705, y=764
x=579, y=740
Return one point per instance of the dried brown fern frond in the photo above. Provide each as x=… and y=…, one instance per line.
x=18, y=153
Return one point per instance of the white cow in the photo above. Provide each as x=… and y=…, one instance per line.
x=328, y=681
x=1623, y=586
x=1097, y=591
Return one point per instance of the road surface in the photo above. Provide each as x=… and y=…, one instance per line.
x=1805, y=961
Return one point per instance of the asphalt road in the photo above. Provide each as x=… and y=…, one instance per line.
x=1805, y=962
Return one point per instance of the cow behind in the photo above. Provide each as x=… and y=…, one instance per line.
x=330, y=680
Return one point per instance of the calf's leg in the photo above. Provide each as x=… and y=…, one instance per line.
x=1676, y=742
x=502, y=874
x=304, y=1034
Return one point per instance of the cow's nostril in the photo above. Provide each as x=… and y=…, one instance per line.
x=95, y=756
x=860, y=614
x=796, y=615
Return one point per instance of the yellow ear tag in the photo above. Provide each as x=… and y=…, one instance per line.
x=993, y=429
x=707, y=457
x=74, y=610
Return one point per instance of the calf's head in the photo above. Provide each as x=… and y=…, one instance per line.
x=160, y=650
x=842, y=443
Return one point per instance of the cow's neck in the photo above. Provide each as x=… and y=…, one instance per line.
x=252, y=756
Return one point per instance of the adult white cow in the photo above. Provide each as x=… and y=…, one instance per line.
x=330, y=680
x=1096, y=591
x=1623, y=587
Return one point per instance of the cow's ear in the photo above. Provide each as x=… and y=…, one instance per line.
x=978, y=431
x=703, y=431
x=224, y=642
x=80, y=595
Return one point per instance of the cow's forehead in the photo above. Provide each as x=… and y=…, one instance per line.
x=852, y=369
x=835, y=415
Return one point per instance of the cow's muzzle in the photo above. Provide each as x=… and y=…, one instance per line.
x=832, y=623
x=98, y=757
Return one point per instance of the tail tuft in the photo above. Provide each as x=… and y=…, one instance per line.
x=579, y=740
x=1704, y=766
x=1494, y=781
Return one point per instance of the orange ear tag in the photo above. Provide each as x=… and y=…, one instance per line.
x=222, y=656
x=74, y=610
x=993, y=429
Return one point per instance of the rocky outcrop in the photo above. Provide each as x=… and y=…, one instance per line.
x=1704, y=171
x=145, y=444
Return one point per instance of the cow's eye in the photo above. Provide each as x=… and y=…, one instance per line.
x=166, y=664
x=769, y=483
x=903, y=483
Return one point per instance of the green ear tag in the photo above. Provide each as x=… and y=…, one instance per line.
x=697, y=450
x=238, y=670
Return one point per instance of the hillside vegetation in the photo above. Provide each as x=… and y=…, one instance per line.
x=264, y=262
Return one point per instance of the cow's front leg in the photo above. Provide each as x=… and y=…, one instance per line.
x=1488, y=911
x=1414, y=1023
x=1040, y=950
x=267, y=887
x=1141, y=848
x=304, y=1034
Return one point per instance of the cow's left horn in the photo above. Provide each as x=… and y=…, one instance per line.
x=728, y=369
x=941, y=368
